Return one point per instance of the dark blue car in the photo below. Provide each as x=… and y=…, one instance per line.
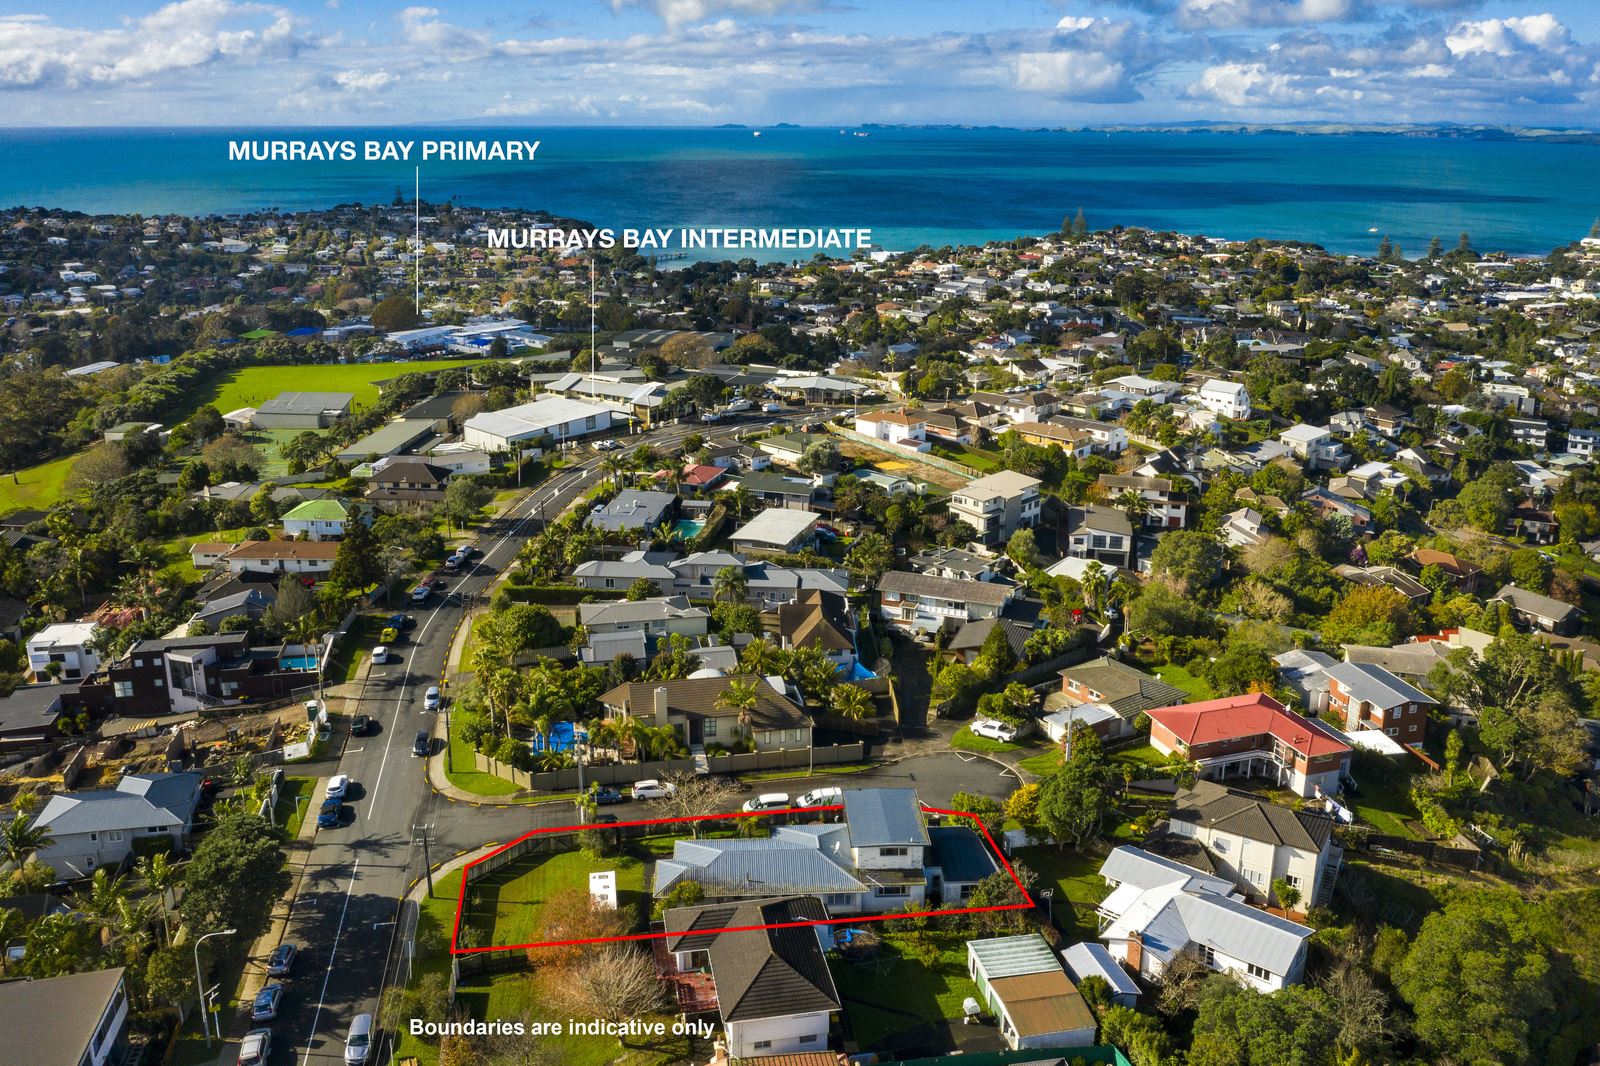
x=328, y=817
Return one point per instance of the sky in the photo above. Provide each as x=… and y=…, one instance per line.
x=824, y=62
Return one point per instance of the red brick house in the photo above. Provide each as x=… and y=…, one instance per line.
x=1252, y=736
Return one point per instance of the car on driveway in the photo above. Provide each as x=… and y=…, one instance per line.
x=651, y=789
x=328, y=817
x=256, y=1048
x=768, y=801
x=993, y=729
x=338, y=785
x=281, y=962
x=360, y=725
x=265, y=1007
x=604, y=795
x=430, y=698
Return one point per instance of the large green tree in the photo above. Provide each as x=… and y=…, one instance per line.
x=235, y=877
x=1237, y=1026
x=1075, y=801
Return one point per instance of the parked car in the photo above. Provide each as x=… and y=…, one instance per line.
x=422, y=744
x=380, y=655
x=430, y=698
x=390, y=635
x=256, y=1048
x=358, y=1045
x=771, y=408
x=265, y=1007
x=452, y=563
x=768, y=801
x=360, y=725
x=994, y=730
x=604, y=795
x=420, y=593
x=438, y=584
x=338, y=785
x=651, y=789
x=401, y=622
x=330, y=814
x=281, y=962
x=821, y=797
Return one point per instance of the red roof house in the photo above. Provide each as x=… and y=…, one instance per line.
x=1253, y=736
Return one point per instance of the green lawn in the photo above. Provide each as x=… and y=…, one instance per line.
x=1386, y=807
x=1077, y=883
x=35, y=487
x=1141, y=756
x=965, y=740
x=255, y=385
x=356, y=646
x=176, y=551
x=1197, y=688
x=460, y=770
x=984, y=461
x=895, y=992
x=505, y=906
x=294, y=800
x=1043, y=764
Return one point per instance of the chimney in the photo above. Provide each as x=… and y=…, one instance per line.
x=660, y=696
x=1136, y=952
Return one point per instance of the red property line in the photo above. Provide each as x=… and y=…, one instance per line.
x=461, y=896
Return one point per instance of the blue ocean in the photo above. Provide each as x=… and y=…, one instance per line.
x=909, y=186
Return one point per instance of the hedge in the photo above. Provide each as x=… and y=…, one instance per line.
x=555, y=594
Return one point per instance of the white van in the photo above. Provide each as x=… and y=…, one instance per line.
x=821, y=797
x=768, y=801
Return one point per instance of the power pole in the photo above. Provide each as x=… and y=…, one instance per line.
x=424, y=834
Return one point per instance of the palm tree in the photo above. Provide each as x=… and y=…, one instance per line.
x=20, y=841
x=108, y=896
x=730, y=584
x=159, y=875
x=1132, y=503
x=763, y=657
x=740, y=696
x=852, y=702
x=1093, y=575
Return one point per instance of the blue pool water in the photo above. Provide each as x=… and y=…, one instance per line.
x=687, y=528
x=562, y=738
x=298, y=662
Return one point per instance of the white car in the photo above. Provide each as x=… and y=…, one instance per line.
x=821, y=797
x=768, y=801
x=772, y=408
x=430, y=698
x=338, y=785
x=994, y=730
x=380, y=655
x=651, y=789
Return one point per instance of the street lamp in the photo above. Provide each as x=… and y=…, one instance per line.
x=200, y=988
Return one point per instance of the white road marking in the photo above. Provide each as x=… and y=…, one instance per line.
x=372, y=797
x=332, y=953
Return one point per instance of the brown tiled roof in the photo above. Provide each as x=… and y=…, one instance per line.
x=698, y=697
x=815, y=620
x=1043, y=1003
x=760, y=973
x=284, y=549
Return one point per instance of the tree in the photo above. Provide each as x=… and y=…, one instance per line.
x=1530, y=570
x=1023, y=805
x=395, y=313
x=570, y=917
x=1369, y=615
x=1481, y=981
x=1286, y=894
x=1075, y=801
x=1140, y=1036
x=1241, y=668
x=1191, y=557
x=693, y=796
x=740, y=697
x=641, y=589
x=852, y=702
x=730, y=585
x=1237, y=1026
x=426, y=997
x=1022, y=548
x=235, y=877
x=870, y=556
x=20, y=840
x=464, y=498
x=822, y=455
x=355, y=563
x=614, y=981
x=1161, y=610
x=159, y=876
x=985, y=808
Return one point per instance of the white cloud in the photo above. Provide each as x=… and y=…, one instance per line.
x=364, y=81
x=1072, y=75
x=1258, y=13
x=1245, y=85
x=181, y=36
x=1508, y=36
x=682, y=12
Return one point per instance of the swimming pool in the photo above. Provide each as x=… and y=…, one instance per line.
x=298, y=662
x=687, y=528
x=562, y=737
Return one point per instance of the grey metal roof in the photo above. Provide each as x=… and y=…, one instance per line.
x=1089, y=959
x=805, y=858
x=305, y=403
x=957, y=590
x=1240, y=931
x=633, y=509
x=1009, y=956
x=139, y=801
x=1134, y=866
x=1375, y=685
x=30, y=709
x=884, y=816
x=51, y=1022
x=620, y=612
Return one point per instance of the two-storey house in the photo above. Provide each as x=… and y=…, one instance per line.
x=1369, y=697
x=998, y=505
x=1253, y=735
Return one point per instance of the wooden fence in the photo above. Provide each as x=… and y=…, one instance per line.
x=627, y=773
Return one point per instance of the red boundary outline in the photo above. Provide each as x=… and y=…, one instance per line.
x=461, y=897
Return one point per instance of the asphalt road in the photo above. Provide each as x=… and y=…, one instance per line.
x=347, y=913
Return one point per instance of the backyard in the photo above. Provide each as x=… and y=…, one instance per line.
x=1197, y=688
x=1077, y=884
x=505, y=907
x=901, y=999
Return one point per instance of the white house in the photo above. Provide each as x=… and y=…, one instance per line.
x=1159, y=908
x=777, y=529
x=554, y=417
x=1257, y=843
x=998, y=505
x=1034, y=1002
x=317, y=520
x=1315, y=445
x=66, y=643
x=1226, y=399
x=98, y=828
x=899, y=428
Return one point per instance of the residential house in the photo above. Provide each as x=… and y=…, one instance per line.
x=408, y=485
x=776, y=529
x=1531, y=432
x=1315, y=446
x=1538, y=611
x=79, y=1019
x=1305, y=673
x=818, y=619
x=696, y=708
x=1103, y=534
x=1583, y=442
x=997, y=505
x=1075, y=442
x=547, y=418
x=279, y=557
x=1390, y=576
x=658, y=617
x=1142, y=388
x=63, y=651
x=967, y=644
x=323, y=519
x=899, y=428
x=1126, y=690
x=880, y=858
x=251, y=603
x=98, y=828
x=1164, y=501
x=1414, y=660
x=633, y=510
x=925, y=603
x=1035, y=1004
x=30, y=716
x=1159, y=909
x=1256, y=843
x=955, y=562
x=181, y=674
x=1328, y=504
x=787, y=448
x=1226, y=399
x=1243, y=528
x=1534, y=524
x=767, y=960
x=1462, y=575
x=1253, y=735
x=772, y=489
x=1370, y=697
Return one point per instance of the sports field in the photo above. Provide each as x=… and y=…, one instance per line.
x=255, y=385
